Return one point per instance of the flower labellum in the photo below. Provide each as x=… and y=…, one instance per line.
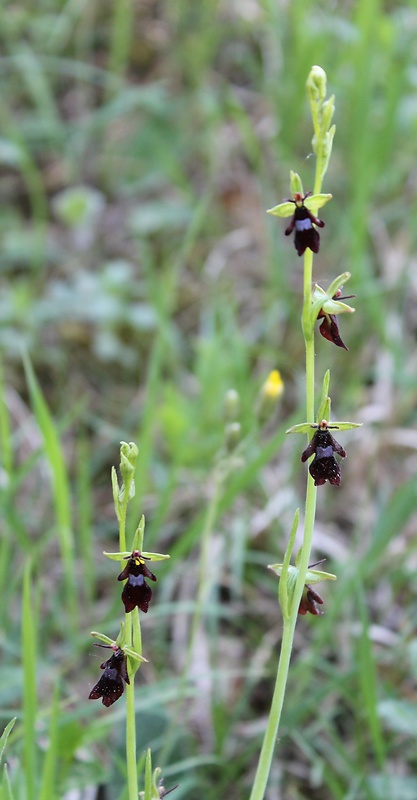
x=324, y=467
x=309, y=600
x=302, y=221
x=110, y=686
x=136, y=591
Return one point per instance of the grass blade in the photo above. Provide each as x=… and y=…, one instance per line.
x=60, y=486
x=29, y=631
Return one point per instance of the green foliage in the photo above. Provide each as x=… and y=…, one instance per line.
x=140, y=147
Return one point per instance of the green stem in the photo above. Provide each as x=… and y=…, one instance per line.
x=270, y=737
x=131, y=761
x=134, y=640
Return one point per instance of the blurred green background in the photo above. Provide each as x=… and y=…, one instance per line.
x=141, y=142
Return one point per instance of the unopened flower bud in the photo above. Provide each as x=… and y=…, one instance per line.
x=316, y=84
x=128, y=456
x=233, y=433
x=327, y=111
x=231, y=405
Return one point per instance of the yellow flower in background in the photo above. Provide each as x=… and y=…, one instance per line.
x=269, y=395
x=273, y=386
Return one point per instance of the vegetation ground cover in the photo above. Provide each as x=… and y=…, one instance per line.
x=141, y=280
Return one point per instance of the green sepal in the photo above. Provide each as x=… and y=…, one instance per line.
x=324, y=300
x=286, y=588
x=155, y=556
x=307, y=427
x=127, y=553
x=118, y=556
x=344, y=426
x=286, y=209
x=121, y=638
x=137, y=543
x=296, y=185
x=317, y=575
x=302, y=427
x=325, y=402
x=282, y=209
x=312, y=575
x=316, y=201
x=102, y=637
x=133, y=654
x=338, y=283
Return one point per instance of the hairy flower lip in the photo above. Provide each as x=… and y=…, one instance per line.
x=136, y=591
x=110, y=685
x=324, y=466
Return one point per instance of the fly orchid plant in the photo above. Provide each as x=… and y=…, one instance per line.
x=296, y=596
x=120, y=668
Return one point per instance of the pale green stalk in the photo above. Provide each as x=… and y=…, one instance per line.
x=290, y=620
x=134, y=640
x=270, y=737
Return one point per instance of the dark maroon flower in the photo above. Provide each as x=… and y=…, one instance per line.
x=302, y=221
x=329, y=328
x=110, y=686
x=324, y=467
x=309, y=600
x=136, y=591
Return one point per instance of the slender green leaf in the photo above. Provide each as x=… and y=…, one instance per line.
x=29, y=636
